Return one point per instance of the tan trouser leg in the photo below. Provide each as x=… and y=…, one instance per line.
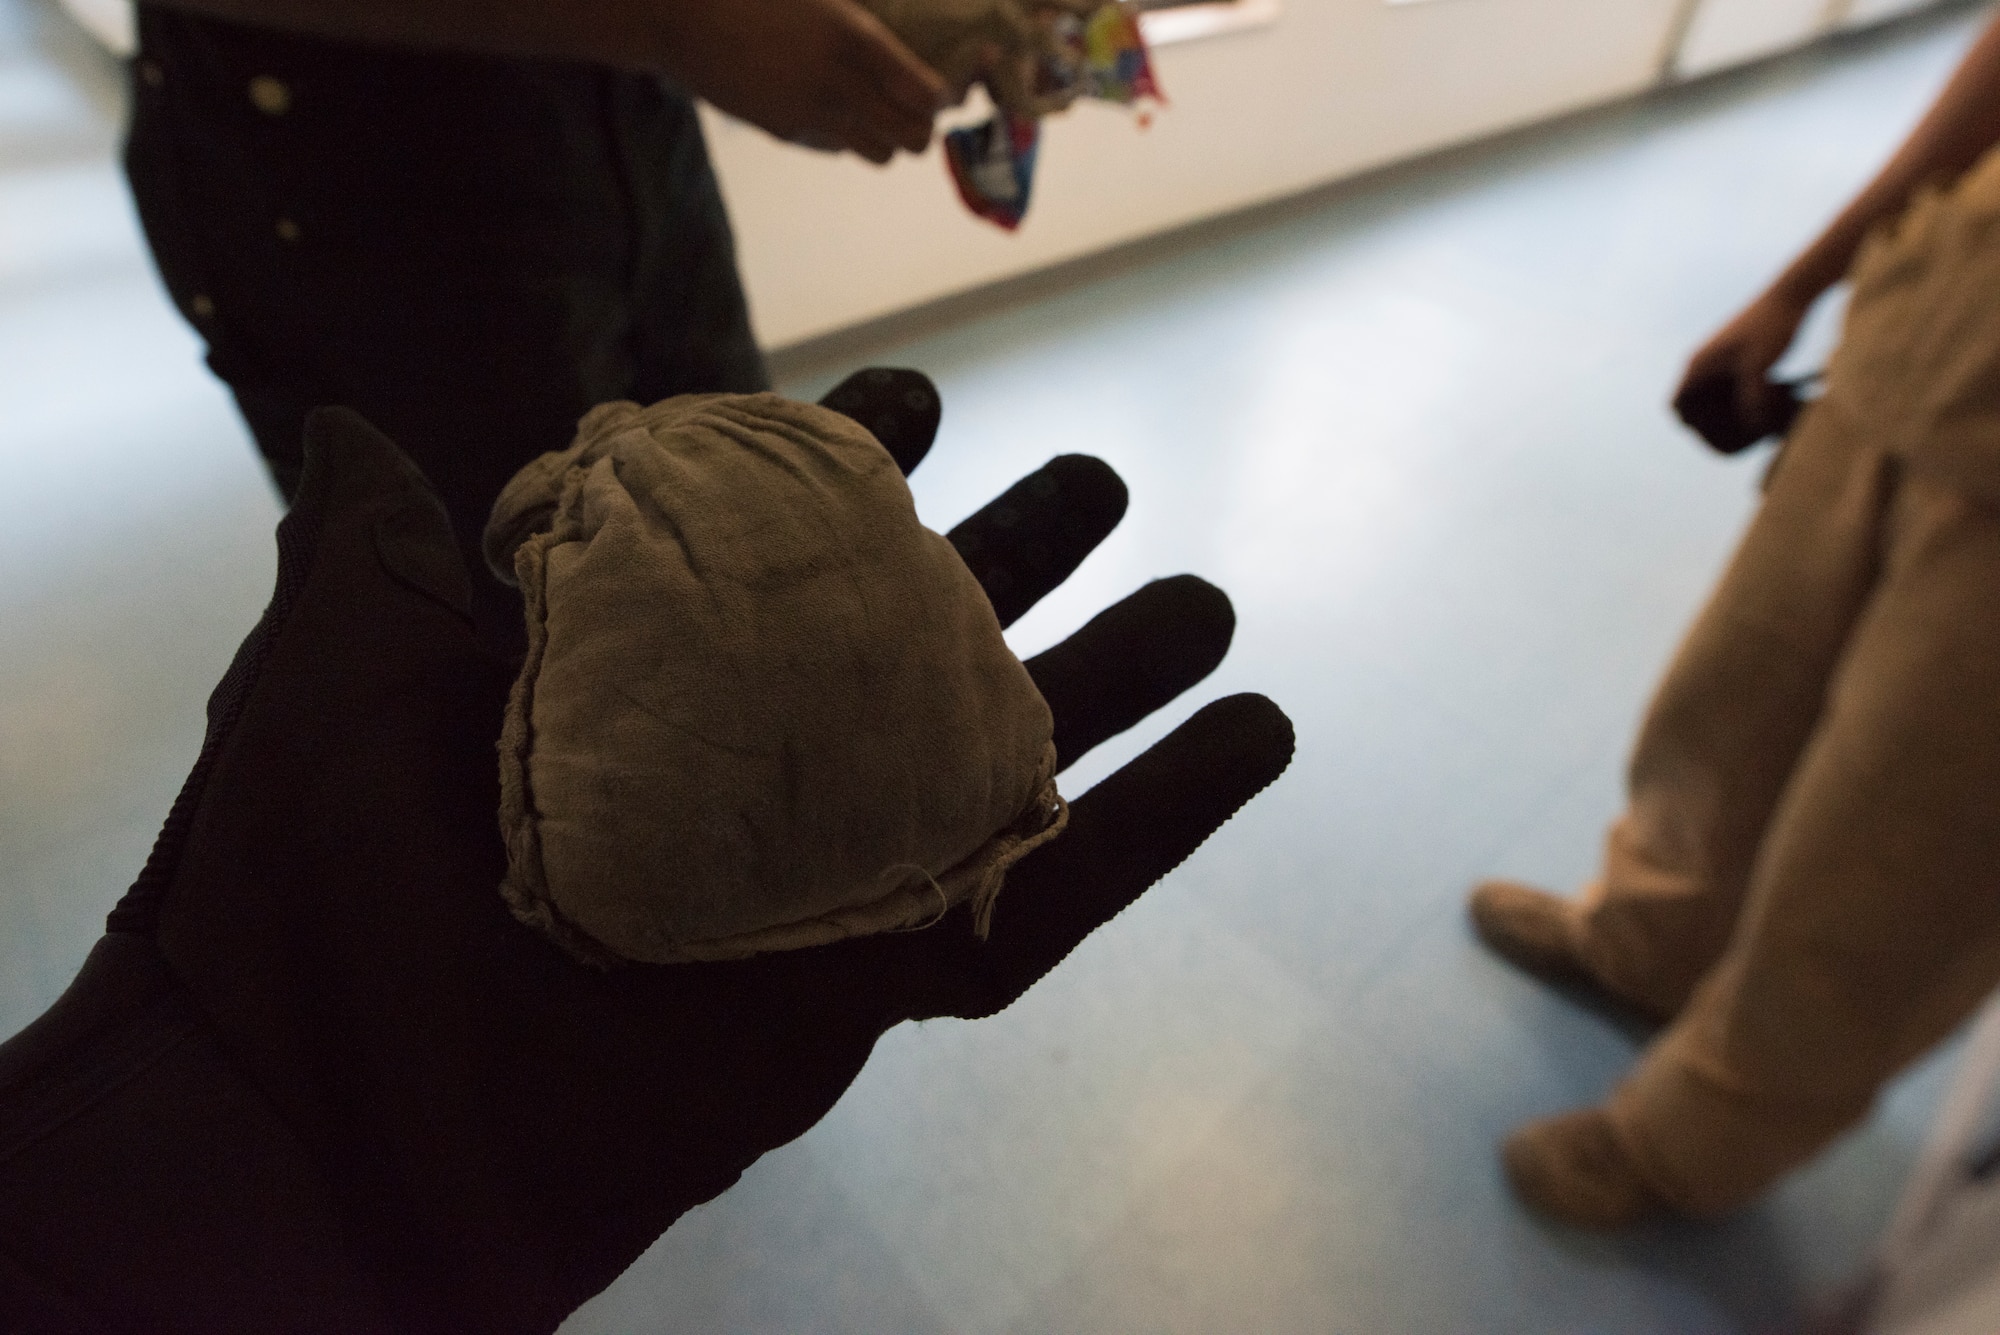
x=1729, y=721
x=1872, y=922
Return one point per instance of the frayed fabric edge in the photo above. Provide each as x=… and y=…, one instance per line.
x=976, y=882
x=524, y=888
x=1054, y=809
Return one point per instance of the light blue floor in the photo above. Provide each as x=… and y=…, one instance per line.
x=1417, y=433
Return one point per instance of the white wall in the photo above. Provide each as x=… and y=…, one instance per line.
x=1860, y=13
x=1729, y=32
x=1329, y=89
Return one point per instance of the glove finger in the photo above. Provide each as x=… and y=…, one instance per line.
x=1132, y=658
x=1123, y=835
x=900, y=406
x=1708, y=406
x=1038, y=531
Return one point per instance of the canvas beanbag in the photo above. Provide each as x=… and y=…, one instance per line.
x=762, y=707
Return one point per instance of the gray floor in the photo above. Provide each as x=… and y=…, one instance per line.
x=1416, y=431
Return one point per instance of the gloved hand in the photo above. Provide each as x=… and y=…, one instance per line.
x=1726, y=395
x=489, y=1132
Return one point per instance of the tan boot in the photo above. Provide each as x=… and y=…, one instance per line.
x=1575, y=1168
x=1540, y=933
x=1529, y=928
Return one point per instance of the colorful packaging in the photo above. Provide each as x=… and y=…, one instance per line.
x=993, y=166
x=1101, y=54
x=1105, y=56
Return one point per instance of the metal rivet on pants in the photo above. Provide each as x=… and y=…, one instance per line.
x=202, y=305
x=287, y=230
x=270, y=95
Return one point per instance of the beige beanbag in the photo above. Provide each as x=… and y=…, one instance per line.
x=762, y=707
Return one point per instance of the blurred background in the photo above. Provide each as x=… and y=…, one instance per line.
x=1377, y=318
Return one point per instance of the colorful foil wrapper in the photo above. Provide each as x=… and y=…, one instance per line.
x=1102, y=56
x=993, y=166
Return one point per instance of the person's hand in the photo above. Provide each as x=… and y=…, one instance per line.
x=823, y=73
x=1726, y=395
x=501, y=1130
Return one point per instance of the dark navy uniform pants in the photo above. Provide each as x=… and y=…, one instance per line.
x=470, y=251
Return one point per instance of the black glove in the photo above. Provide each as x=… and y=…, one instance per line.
x=476, y=1132
x=1709, y=407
